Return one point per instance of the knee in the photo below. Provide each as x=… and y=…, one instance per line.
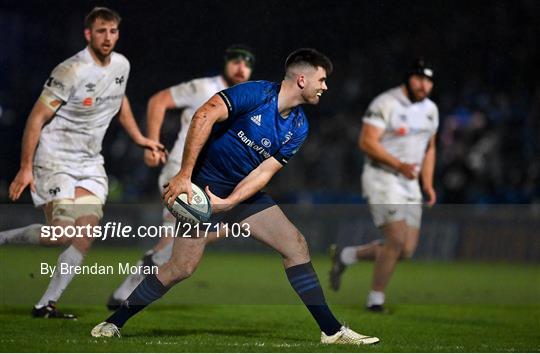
x=395, y=244
x=63, y=241
x=83, y=244
x=181, y=271
x=299, y=251
x=406, y=253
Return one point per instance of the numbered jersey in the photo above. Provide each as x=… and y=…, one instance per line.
x=407, y=126
x=88, y=96
x=190, y=96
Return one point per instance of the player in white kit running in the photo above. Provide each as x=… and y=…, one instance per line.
x=61, y=159
x=189, y=96
x=398, y=138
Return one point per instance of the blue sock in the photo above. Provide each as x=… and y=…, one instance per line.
x=306, y=284
x=148, y=291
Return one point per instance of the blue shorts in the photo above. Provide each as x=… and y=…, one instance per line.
x=251, y=206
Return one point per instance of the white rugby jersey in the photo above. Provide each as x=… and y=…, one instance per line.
x=407, y=126
x=92, y=96
x=191, y=95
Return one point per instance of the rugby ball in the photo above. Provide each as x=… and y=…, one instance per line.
x=198, y=211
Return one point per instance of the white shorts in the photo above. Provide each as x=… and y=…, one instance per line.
x=391, y=197
x=60, y=182
x=168, y=171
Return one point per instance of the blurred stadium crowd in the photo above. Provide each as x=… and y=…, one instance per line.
x=487, y=88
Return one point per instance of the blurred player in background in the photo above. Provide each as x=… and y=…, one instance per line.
x=235, y=144
x=239, y=62
x=398, y=138
x=60, y=158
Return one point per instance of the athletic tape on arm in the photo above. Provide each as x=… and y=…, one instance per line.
x=49, y=99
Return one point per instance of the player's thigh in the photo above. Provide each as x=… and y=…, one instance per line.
x=88, y=207
x=81, y=192
x=56, y=208
x=49, y=219
x=271, y=227
x=413, y=212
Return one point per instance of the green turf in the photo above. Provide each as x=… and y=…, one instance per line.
x=242, y=302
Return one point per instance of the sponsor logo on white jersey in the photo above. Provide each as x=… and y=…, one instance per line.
x=257, y=119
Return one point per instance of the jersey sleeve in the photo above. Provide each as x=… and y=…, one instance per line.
x=435, y=118
x=375, y=114
x=243, y=97
x=183, y=94
x=62, y=82
x=288, y=150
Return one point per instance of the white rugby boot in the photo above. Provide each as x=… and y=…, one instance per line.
x=348, y=336
x=105, y=329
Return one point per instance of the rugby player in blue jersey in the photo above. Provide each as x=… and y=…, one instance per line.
x=236, y=142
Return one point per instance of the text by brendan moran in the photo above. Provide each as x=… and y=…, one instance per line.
x=97, y=269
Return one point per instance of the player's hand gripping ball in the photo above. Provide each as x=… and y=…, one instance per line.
x=198, y=211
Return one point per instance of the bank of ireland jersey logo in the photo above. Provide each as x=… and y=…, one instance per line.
x=266, y=142
x=257, y=119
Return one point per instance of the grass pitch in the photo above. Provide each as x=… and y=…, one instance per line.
x=243, y=302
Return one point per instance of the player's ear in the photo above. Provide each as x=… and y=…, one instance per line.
x=301, y=81
x=87, y=34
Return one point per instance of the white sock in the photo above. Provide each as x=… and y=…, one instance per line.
x=59, y=282
x=131, y=282
x=375, y=298
x=27, y=234
x=348, y=255
x=163, y=255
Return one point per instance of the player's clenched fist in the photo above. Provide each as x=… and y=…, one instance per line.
x=22, y=180
x=409, y=170
x=218, y=204
x=153, y=158
x=176, y=186
x=431, y=196
x=150, y=158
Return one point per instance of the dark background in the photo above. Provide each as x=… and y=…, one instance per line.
x=485, y=53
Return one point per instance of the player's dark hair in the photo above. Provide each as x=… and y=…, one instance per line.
x=240, y=51
x=311, y=57
x=103, y=13
x=420, y=66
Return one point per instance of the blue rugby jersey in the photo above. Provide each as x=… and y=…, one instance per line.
x=253, y=132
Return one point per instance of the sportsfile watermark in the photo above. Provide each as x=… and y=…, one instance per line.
x=240, y=270
x=112, y=229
